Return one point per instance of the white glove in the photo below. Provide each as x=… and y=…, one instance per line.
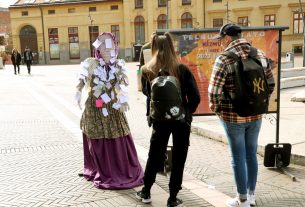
x=78, y=98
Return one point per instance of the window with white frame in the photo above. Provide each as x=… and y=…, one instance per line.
x=269, y=20
x=217, y=22
x=243, y=21
x=138, y=4
x=139, y=26
x=161, y=21
x=53, y=43
x=162, y=3
x=73, y=42
x=186, y=20
x=186, y=2
x=297, y=23
x=115, y=29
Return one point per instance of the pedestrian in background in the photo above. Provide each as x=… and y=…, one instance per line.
x=4, y=57
x=16, y=59
x=242, y=132
x=28, y=58
x=164, y=57
x=110, y=156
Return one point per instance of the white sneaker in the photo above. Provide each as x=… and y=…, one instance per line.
x=251, y=199
x=235, y=202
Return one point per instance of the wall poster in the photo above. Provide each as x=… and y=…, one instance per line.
x=198, y=50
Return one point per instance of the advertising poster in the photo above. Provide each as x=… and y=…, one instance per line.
x=54, y=51
x=74, y=50
x=199, y=50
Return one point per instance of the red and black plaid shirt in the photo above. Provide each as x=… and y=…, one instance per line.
x=222, y=76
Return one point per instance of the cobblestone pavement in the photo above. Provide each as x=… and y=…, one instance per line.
x=41, y=151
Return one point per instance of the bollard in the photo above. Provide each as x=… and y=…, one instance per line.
x=139, y=79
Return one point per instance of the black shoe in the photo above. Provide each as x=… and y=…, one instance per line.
x=143, y=196
x=174, y=202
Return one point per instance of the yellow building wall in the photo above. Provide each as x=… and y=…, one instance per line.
x=255, y=10
x=19, y=21
x=203, y=13
x=103, y=17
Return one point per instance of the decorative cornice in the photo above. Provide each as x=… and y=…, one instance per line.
x=277, y=6
x=217, y=11
x=242, y=9
x=295, y=4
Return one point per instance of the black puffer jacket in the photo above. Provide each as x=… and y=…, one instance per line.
x=16, y=61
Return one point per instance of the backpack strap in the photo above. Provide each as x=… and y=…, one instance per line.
x=253, y=52
x=235, y=57
x=162, y=72
x=231, y=55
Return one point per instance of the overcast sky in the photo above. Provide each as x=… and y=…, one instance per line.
x=6, y=3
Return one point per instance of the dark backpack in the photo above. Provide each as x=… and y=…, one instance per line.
x=166, y=101
x=252, y=92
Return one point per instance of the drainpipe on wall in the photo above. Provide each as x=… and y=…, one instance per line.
x=43, y=38
x=303, y=20
x=203, y=13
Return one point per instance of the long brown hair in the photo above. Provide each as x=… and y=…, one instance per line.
x=163, y=57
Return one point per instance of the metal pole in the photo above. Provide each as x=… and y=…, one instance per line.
x=91, y=42
x=203, y=13
x=227, y=11
x=43, y=37
x=303, y=33
x=278, y=103
x=167, y=27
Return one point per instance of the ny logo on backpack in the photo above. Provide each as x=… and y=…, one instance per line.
x=252, y=92
x=166, y=101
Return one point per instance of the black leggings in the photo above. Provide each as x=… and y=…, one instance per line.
x=158, y=144
x=28, y=65
x=16, y=66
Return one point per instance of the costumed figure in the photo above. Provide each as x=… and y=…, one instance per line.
x=110, y=157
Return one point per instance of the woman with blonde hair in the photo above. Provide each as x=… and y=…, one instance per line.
x=164, y=57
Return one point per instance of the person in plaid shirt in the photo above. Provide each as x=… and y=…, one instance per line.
x=242, y=132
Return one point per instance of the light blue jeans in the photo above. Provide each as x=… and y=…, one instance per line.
x=242, y=138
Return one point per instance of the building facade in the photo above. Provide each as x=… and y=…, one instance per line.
x=62, y=31
x=5, y=30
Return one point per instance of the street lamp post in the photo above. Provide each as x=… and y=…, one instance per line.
x=167, y=13
x=227, y=5
x=302, y=12
x=91, y=36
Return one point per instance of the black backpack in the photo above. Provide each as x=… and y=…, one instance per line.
x=166, y=101
x=252, y=92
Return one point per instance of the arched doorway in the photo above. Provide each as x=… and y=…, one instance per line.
x=28, y=37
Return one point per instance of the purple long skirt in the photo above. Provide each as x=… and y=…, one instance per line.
x=112, y=163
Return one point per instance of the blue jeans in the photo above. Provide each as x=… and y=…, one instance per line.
x=242, y=138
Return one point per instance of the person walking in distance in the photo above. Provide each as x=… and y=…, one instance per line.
x=164, y=57
x=4, y=57
x=242, y=131
x=28, y=58
x=16, y=59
